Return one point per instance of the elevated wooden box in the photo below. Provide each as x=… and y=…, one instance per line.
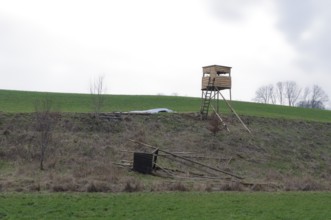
x=221, y=75
x=221, y=82
x=215, y=70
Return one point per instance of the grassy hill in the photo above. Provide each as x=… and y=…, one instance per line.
x=20, y=101
x=289, y=150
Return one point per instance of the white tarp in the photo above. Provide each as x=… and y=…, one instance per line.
x=152, y=111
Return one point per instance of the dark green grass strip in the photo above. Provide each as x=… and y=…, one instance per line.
x=20, y=101
x=299, y=205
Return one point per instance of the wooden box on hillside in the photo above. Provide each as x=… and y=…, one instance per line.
x=145, y=162
x=219, y=76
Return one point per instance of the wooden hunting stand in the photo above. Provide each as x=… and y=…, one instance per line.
x=214, y=79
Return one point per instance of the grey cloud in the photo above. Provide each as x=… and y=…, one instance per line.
x=27, y=56
x=231, y=10
x=305, y=24
x=295, y=17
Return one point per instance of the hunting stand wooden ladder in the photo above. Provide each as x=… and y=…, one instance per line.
x=214, y=79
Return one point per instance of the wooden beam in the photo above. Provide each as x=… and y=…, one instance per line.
x=234, y=112
x=220, y=119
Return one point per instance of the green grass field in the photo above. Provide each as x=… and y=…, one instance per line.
x=19, y=101
x=232, y=205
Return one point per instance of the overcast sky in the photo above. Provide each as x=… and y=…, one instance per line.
x=159, y=46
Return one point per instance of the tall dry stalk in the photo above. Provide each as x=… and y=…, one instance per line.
x=45, y=122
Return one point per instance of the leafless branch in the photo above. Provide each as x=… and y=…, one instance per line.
x=292, y=92
x=97, y=90
x=45, y=121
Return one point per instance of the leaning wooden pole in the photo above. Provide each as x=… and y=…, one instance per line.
x=219, y=117
x=192, y=161
x=234, y=112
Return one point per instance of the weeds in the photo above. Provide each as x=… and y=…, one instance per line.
x=132, y=185
x=232, y=186
x=306, y=183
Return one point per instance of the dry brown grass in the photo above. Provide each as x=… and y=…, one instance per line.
x=81, y=155
x=306, y=183
x=132, y=185
x=232, y=186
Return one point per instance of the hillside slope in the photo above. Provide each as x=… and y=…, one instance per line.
x=85, y=153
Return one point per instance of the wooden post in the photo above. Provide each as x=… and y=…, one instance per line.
x=221, y=119
x=230, y=87
x=234, y=112
x=218, y=102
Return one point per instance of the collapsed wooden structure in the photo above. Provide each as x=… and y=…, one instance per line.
x=147, y=163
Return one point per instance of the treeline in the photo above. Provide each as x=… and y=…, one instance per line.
x=291, y=94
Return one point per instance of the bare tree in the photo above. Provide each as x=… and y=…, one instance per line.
x=265, y=94
x=280, y=92
x=45, y=122
x=306, y=94
x=271, y=94
x=292, y=92
x=289, y=91
x=261, y=95
x=97, y=90
x=314, y=98
x=305, y=100
x=318, y=96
